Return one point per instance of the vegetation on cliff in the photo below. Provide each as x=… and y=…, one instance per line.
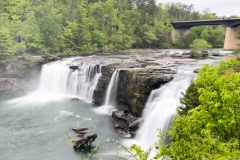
x=207, y=126
x=75, y=27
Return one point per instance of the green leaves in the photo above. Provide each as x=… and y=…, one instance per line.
x=209, y=128
x=198, y=46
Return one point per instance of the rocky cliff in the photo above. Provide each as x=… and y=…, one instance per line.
x=17, y=72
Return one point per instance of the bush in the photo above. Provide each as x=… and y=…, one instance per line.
x=198, y=46
x=189, y=100
x=208, y=127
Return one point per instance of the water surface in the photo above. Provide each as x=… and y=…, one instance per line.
x=36, y=131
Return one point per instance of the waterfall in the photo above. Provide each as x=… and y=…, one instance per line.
x=58, y=78
x=58, y=81
x=111, y=94
x=83, y=82
x=160, y=109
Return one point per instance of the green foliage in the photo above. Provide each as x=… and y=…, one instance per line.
x=84, y=26
x=189, y=100
x=6, y=41
x=237, y=51
x=198, y=46
x=208, y=127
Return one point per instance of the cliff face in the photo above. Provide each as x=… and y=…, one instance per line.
x=99, y=93
x=134, y=86
x=139, y=75
x=16, y=74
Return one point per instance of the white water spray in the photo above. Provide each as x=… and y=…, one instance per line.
x=58, y=81
x=160, y=109
x=111, y=95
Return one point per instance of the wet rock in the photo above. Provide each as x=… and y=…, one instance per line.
x=125, y=122
x=135, y=87
x=205, y=53
x=216, y=54
x=74, y=67
x=45, y=60
x=80, y=130
x=4, y=86
x=135, y=125
x=11, y=85
x=196, y=70
x=17, y=73
x=84, y=142
x=75, y=99
x=99, y=93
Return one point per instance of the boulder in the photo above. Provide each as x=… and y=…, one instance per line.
x=125, y=122
x=73, y=67
x=84, y=142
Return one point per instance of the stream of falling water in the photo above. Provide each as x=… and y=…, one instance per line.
x=161, y=108
x=58, y=81
x=111, y=95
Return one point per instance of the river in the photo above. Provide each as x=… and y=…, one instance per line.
x=37, y=131
x=33, y=127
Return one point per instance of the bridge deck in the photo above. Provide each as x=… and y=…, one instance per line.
x=234, y=22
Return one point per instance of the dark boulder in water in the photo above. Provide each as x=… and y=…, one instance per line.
x=74, y=67
x=84, y=142
x=80, y=131
x=126, y=123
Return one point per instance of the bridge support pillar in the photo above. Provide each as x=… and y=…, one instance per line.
x=231, y=40
x=178, y=33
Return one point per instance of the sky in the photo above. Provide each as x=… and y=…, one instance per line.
x=220, y=7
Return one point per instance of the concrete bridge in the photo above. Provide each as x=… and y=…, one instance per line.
x=181, y=29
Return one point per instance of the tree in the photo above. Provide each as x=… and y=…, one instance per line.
x=6, y=41
x=50, y=22
x=209, y=130
x=31, y=34
x=198, y=46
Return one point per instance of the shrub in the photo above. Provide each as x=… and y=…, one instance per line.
x=208, y=127
x=198, y=46
x=189, y=100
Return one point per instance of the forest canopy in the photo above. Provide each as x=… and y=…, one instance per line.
x=74, y=27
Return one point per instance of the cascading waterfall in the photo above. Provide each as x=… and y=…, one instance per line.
x=111, y=95
x=58, y=81
x=58, y=78
x=83, y=82
x=160, y=109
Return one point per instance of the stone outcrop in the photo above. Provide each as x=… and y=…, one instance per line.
x=99, y=93
x=136, y=85
x=125, y=122
x=17, y=73
x=84, y=141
